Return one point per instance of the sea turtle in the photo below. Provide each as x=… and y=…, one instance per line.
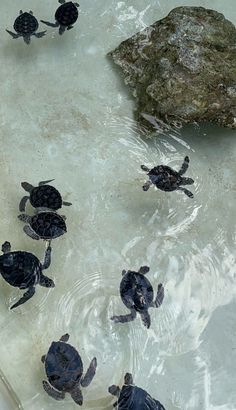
x=42, y=196
x=24, y=270
x=65, y=16
x=137, y=294
x=44, y=225
x=26, y=26
x=167, y=179
x=64, y=369
x=131, y=397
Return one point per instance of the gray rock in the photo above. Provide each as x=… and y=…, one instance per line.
x=182, y=69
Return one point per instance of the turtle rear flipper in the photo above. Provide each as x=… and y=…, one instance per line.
x=160, y=296
x=29, y=231
x=40, y=34
x=124, y=318
x=22, y=204
x=14, y=35
x=186, y=191
x=77, y=396
x=27, y=295
x=57, y=395
x=89, y=375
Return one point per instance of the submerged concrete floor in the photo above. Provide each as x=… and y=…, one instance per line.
x=66, y=114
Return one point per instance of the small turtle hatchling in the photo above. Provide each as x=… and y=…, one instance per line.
x=24, y=270
x=44, y=225
x=26, y=26
x=167, y=179
x=64, y=369
x=132, y=397
x=137, y=294
x=65, y=16
x=42, y=196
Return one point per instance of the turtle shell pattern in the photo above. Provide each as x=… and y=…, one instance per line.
x=136, y=291
x=66, y=14
x=26, y=24
x=63, y=366
x=135, y=398
x=165, y=178
x=48, y=225
x=46, y=196
x=20, y=269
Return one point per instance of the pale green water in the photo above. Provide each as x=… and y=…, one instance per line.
x=65, y=114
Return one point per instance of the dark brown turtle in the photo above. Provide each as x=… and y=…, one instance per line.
x=64, y=369
x=26, y=26
x=131, y=397
x=44, y=225
x=137, y=294
x=42, y=196
x=66, y=15
x=24, y=270
x=167, y=179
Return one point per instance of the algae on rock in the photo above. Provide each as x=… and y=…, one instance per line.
x=182, y=69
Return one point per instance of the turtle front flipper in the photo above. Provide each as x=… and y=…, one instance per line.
x=186, y=191
x=146, y=319
x=50, y=24
x=77, y=396
x=57, y=395
x=29, y=231
x=22, y=204
x=14, y=35
x=125, y=318
x=184, y=166
x=45, y=182
x=27, y=295
x=89, y=375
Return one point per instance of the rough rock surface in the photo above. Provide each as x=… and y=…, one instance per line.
x=182, y=69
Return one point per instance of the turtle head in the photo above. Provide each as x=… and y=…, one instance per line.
x=6, y=247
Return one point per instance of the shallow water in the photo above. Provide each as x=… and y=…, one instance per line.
x=66, y=114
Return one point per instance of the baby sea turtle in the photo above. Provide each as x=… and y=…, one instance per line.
x=132, y=397
x=65, y=16
x=26, y=26
x=42, y=196
x=167, y=179
x=64, y=369
x=24, y=270
x=44, y=225
x=137, y=294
